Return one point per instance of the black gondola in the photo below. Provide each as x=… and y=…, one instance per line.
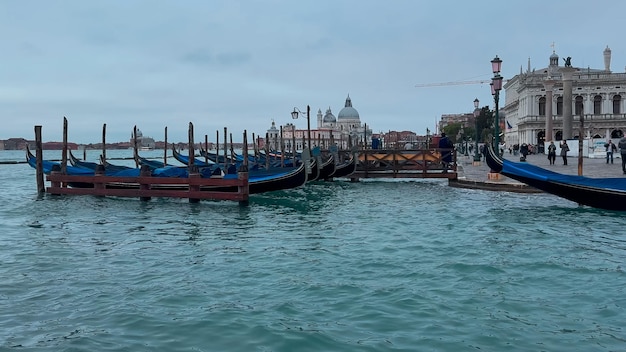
x=603, y=193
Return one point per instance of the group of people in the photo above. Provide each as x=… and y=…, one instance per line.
x=552, y=152
x=609, y=146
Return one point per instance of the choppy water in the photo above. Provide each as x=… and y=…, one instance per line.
x=369, y=266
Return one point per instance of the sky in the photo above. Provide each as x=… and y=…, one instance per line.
x=243, y=64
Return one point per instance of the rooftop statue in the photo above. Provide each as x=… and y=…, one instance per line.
x=568, y=61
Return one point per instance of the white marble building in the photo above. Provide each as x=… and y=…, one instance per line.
x=596, y=94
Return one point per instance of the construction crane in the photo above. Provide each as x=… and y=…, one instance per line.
x=454, y=83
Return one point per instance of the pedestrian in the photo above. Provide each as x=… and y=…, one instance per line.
x=610, y=148
x=564, y=150
x=446, y=153
x=552, y=152
x=622, y=150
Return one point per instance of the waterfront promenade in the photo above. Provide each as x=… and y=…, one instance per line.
x=471, y=176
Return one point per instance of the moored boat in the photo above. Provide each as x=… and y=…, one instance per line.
x=603, y=193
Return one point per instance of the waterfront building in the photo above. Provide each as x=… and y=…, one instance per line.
x=547, y=104
x=143, y=142
x=329, y=130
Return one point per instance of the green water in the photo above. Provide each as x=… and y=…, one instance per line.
x=369, y=266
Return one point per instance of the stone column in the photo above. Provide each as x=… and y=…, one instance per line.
x=548, y=83
x=567, y=72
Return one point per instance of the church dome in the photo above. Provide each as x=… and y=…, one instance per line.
x=348, y=112
x=329, y=117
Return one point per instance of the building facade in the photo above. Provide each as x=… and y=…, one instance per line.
x=344, y=130
x=548, y=104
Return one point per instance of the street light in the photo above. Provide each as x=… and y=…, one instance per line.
x=476, y=114
x=496, y=86
x=294, y=115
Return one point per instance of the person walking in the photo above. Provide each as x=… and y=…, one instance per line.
x=610, y=148
x=564, y=150
x=622, y=150
x=552, y=152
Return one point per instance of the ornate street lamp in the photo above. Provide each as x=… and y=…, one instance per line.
x=294, y=115
x=476, y=114
x=496, y=86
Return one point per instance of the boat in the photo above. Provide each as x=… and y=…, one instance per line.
x=346, y=168
x=327, y=168
x=602, y=193
x=259, y=181
x=110, y=168
x=184, y=159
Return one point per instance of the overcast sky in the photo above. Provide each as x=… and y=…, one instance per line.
x=242, y=64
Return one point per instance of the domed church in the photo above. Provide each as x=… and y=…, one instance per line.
x=347, y=122
x=344, y=130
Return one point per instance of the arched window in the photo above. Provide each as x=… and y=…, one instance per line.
x=617, y=103
x=542, y=106
x=617, y=134
x=559, y=106
x=578, y=106
x=597, y=105
x=558, y=135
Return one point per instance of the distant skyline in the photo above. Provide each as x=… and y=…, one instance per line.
x=244, y=64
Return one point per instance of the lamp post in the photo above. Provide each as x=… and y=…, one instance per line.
x=294, y=115
x=496, y=86
x=476, y=114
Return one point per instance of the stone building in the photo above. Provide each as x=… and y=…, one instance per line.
x=338, y=130
x=548, y=103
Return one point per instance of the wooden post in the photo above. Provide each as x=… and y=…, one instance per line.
x=206, y=149
x=232, y=151
x=217, y=148
x=225, y=149
x=581, y=129
x=165, y=149
x=194, y=188
x=192, y=155
x=56, y=170
x=99, y=172
x=254, y=145
x=242, y=175
x=41, y=188
x=145, y=172
x=64, y=155
x=135, y=148
x=104, y=149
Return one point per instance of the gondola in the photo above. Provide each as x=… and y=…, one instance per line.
x=92, y=166
x=327, y=168
x=602, y=193
x=184, y=159
x=346, y=168
x=259, y=181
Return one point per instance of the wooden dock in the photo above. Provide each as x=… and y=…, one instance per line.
x=145, y=186
x=396, y=163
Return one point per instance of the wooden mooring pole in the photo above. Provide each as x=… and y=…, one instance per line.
x=41, y=187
